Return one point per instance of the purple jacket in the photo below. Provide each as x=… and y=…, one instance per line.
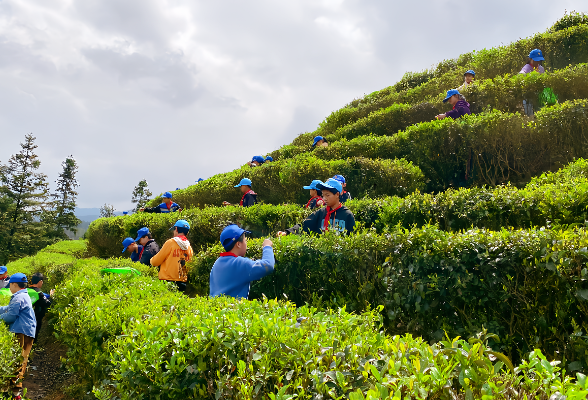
x=460, y=108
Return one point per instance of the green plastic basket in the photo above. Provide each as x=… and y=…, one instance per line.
x=32, y=294
x=120, y=271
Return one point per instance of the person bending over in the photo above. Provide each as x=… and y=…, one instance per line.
x=166, y=207
x=135, y=249
x=232, y=273
x=150, y=247
x=334, y=216
x=459, y=103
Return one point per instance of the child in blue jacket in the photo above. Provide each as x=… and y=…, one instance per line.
x=232, y=273
x=20, y=317
x=166, y=207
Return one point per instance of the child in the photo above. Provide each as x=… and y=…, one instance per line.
x=334, y=216
x=173, y=256
x=166, y=207
x=4, y=277
x=42, y=305
x=150, y=247
x=345, y=195
x=249, y=196
x=269, y=159
x=459, y=103
x=315, y=195
x=20, y=317
x=256, y=161
x=534, y=62
x=468, y=76
x=320, y=141
x=135, y=249
x=232, y=273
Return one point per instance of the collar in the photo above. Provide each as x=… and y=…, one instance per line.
x=243, y=198
x=311, y=199
x=182, y=237
x=227, y=254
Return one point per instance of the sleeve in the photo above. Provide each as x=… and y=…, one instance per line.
x=452, y=114
x=350, y=223
x=249, y=200
x=260, y=268
x=525, y=69
x=313, y=222
x=320, y=203
x=155, y=209
x=160, y=257
x=176, y=207
x=3, y=309
x=11, y=312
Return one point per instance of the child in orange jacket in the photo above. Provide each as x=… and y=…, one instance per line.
x=174, y=255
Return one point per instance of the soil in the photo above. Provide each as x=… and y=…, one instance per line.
x=46, y=377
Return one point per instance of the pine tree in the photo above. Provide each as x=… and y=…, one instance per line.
x=141, y=194
x=64, y=199
x=26, y=192
x=107, y=211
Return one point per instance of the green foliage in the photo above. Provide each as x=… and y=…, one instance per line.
x=282, y=181
x=64, y=200
x=141, y=194
x=493, y=147
x=10, y=352
x=527, y=286
x=568, y=20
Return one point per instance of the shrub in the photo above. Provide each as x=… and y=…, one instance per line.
x=527, y=286
x=282, y=181
x=493, y=147
x=10, y=352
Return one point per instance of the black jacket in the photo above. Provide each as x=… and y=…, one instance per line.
x=345, y=196
x=341, y=220
x=151, y=248
x=250, y=199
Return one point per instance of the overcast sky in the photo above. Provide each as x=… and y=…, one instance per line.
x=174, y=90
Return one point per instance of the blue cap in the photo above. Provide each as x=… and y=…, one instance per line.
x=331, y=184
x=470, y=71
x=19, y=277
x=317, y=139
x=167, y=195
x=244, y=181
x=181, y=223
x=259, y=159
x=177, y=188
x=125, y=212
x=199, y=180
x=450, y=93
x=127, y=242
x=3, y=270
x=536, y=55
x=269, y=158
x=339, y=178
x=230, y=234
x=142, y=232
x=313, y=185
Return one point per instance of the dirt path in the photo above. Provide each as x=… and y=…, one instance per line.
x=46, y=379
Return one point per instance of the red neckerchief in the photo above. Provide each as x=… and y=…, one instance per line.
x=228, y=254
x=141, y=253
x=168, y=205
x=328, y=217
x=182, y=237
x=243, y=198
x=311, y=199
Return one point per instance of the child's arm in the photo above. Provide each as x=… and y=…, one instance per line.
x=160, y=257
x=10, y=312
x=260, y=268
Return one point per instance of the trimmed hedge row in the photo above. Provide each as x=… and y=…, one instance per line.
x=136, y=338
x=559, y=198
x=282, y=181
x=561, y=49
x=496, y=147
x=527, y=286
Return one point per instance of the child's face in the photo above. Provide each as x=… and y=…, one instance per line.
x=244, y=189
x=332, y=200
x=469, y=78
x=166, y=200
x=453, y=99
x=14, y=288
x=143, y=241
x=313, y=192
x=240, y=248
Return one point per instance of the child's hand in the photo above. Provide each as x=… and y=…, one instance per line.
x=267, y=242
x=226, y=203
x=51, y=292
x=281, y=233
x=440, y=116
x=142, y=209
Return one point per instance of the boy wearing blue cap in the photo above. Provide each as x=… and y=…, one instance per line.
x=42, y=305
x=249, y=196
x=256, y=161
x=344, y=195
x=150, y=247
x=166, y=207
x=319, y=141
x=135, y=249
x=459, y=103
x=468, y=77
x=315, y=195
x=174, y=255
x=20, y=317
x=334, y=216
x=4, y=277
x=232, y=273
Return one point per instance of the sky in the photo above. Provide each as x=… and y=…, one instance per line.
x=174, y=90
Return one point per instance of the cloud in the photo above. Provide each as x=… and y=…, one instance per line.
x=174, y=90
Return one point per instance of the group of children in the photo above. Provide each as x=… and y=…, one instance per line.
x=23, y=318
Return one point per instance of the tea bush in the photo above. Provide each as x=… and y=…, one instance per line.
x=10, y=352
x=281, y=182
x=494, y=146
x=527, y=286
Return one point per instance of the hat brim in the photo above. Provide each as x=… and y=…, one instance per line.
x=239, y=185
x=445, y=99
x=324, y=186
x=125, y=249
x=308, y=187
x=538, y=58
